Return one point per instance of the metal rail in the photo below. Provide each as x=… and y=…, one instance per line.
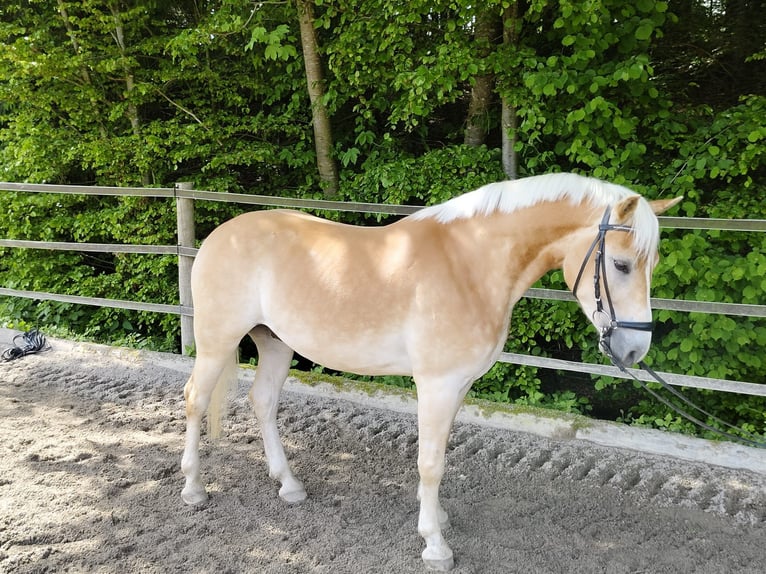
x=752, y=225
x=183, y=192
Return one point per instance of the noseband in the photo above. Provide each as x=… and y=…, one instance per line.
x=599, y=246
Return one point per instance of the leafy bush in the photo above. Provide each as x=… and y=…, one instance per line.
x=720, y=168
x=431, y=178
x=71, y=218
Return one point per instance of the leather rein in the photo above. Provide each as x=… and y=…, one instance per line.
x=600, y=275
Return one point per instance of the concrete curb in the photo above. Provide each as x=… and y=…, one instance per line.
x=553, y=425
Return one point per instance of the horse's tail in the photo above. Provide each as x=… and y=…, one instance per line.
x=226, y=384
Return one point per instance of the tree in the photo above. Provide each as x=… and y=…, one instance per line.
x=508, y=116
x=131, y=110
x=323, y=141
x=104, y=94
x=478, y=120
x=709, y=53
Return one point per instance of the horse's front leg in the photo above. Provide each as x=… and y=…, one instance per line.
x=438, y=402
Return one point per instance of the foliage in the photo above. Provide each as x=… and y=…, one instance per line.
x=148, y=93
x=718, y=164
x=430, y=178
x=583, y=90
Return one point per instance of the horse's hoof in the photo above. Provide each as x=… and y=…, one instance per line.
x=292, y=496
x=192, y=496
x=444, y=564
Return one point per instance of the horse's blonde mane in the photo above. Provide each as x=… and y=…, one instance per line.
x=509, y=196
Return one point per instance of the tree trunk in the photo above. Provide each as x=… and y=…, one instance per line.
x=477, y=121
x=323, y=143
x=132, y=109
x=509, y=116
x=510, y=157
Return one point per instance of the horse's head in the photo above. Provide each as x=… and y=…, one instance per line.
x=609, y=270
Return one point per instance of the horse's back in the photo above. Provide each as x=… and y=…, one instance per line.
x=335, y=293
x=293, y=244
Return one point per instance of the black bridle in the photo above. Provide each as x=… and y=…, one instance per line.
x=599, y=274
x=605, y=333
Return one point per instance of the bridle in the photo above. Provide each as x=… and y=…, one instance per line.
x=605, y=333
x=599, y=246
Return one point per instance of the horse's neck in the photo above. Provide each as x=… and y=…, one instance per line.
x=518, y=248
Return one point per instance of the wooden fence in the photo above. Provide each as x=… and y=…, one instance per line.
x=185, y=196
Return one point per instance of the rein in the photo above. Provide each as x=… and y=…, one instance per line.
x=599, y=246
x=34, y=342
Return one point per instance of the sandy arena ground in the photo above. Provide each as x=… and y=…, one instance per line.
x=90, y=449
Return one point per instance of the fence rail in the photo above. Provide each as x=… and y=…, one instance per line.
x=185, y=251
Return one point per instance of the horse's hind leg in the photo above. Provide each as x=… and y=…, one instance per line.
x=198, y=391
x=274, y=358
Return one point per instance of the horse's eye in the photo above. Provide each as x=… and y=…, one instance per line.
x=622, y=266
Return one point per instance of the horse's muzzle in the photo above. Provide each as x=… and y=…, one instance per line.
x=625, y=346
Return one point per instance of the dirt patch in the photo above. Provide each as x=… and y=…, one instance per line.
x=90, y=482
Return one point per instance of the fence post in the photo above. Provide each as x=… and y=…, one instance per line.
x=186, y=238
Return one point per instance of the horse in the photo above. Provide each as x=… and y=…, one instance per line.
x=428, y=296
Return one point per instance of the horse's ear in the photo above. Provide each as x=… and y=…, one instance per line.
x=662, y=205
x=624, y=210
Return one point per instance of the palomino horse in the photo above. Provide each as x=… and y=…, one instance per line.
x=428, y=296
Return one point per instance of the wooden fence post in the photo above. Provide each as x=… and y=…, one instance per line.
x=186, y=238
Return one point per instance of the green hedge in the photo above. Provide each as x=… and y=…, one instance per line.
x=711, y=266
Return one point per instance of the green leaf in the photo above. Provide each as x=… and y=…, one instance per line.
x=644, y=30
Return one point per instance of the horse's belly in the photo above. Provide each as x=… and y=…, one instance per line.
x=363, y=356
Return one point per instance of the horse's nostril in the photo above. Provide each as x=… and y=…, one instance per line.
x=631, y=358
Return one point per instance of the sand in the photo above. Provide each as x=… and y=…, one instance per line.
x=90, y=480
